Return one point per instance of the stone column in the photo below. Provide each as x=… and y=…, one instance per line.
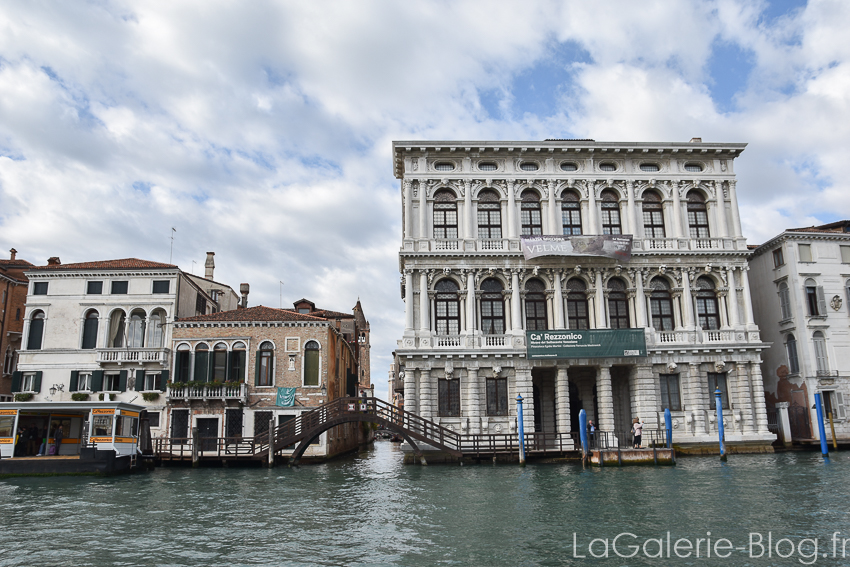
x=736, y=217
x=426, y=394
x=721, y=305
x=637, y=229
x=516, y=314
x=687, y=300
x=525, y=388
x=720, y=206
x=640, y=299
x=473, y=402
x=592, y=213
x=732, y=298
x=646, y=403
x=748, y=300
x=408, y=209
x=605, y=399
x=558, y=303
x=677, y=210
x=744, y=398
x=698, y=401
x=423, y=209
x=512, y=232
x=470, y=302
x=757, y=385
x=601, y=321
x=554, y=226
x=677, y=312
x=467, y=209
x=411, y=398
x=424, y=304
x=408, y=301
x=784, y=422
x=562, y=400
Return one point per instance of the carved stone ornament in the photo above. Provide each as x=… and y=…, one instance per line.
x=496, y=371
x=836, y=303
x=401, y=374
x=497, y=428
x=720, y=365
x=672, y=366
x=449, y=370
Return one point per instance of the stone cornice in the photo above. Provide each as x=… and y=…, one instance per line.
x=788, y=235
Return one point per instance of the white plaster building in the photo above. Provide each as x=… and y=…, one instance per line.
x=470, y=296
x=803, y=275
x=104, y=328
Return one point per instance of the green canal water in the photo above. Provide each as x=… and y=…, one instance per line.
x=370, y=509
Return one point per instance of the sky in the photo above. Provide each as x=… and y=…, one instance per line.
x=263, y=130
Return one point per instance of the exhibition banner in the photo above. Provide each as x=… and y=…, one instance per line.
x=586, y=343
x=617, y=246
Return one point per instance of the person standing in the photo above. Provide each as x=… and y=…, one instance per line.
x=32, y=440
x=637, y=428
x=58, y=435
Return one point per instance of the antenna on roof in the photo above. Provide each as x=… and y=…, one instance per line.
x=171, y=253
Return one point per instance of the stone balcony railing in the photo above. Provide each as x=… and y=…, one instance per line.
x=132, y=355
x=223, y=392
x=449, y=245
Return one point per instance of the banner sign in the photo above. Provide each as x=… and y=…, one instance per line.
x=586, y=343
x=285, y=397
x=617, y=246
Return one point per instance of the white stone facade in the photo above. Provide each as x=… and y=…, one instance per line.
x=803, y=276
x=470, y=296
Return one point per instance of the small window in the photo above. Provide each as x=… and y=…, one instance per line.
x=112, y=383
x=569, y=166
x=94, y=288
x=608, y=166
x=311, y=363
x=304, y=310
x=778, y=259
x=84, y=382
x=791, y=351
x=649, y=167
x=845, y=254
x=693, y=167
x=265, y=368
x=487, y=166
x=444, y=166
x=153, y=418
x=529, y=166
x=39, y=288
x=805, y=252
x=670, y=392
x=200, y=305
x=119, y=288
x=161, y=286
x=497, y=396
x=152, y=382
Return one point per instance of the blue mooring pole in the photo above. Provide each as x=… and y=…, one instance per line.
x=668, y=422
x=819, y=405
x=582, y=431
x=521, y=429
x=721, y=434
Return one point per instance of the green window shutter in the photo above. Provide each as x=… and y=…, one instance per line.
x=201, y=367
x=16, y=381
x=163, y=381
x=75, y=378
x=37, y=381
x=311, y=368
x=140, y=380
x=122, y=381
x=227, y=367
x=97, y=381
x=257, y=373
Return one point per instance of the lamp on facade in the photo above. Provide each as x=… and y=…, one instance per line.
x=56, y=388
x=324, y=391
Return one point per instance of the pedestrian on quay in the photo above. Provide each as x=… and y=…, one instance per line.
x=591, y=430
x=58, y=435
x=637, y=428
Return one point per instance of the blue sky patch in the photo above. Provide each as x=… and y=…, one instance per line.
x=142, y=187
x=729, y=68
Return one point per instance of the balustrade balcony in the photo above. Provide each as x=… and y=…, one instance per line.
x=215, y=392
x=513, y=244
x=132, y=355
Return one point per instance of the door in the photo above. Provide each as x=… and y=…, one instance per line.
x=207, y=432
x=798, y=415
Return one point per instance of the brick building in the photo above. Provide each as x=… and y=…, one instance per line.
x=13, y=298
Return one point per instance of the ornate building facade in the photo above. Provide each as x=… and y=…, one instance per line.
x=471, y=296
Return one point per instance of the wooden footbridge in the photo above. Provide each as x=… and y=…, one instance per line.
x=305, y=428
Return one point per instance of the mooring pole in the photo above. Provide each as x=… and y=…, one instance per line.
x=520, y=429
x=718, y=404
x=668, y=422
x=196, y=457
x=271, y=442
x=582, y=432
x=819, y=406
x=832, y=428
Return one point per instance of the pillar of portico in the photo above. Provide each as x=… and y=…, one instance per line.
x=562, y=400
x=605, y=399
x=411, y=397
x=677, y=210
x=697, y=397
x=408, y=209
x=736, y=217
x=732, y=298
x=687, y=300
x=423, y=209
x=601, y=322
x=720, y=210
x=516, y=314
x=424, y=304
x=512, y=232
x=592, y=213
x=558, y=307
x=748, y=300
x=640, y=299
x=468, y=222
x=525, y=388
x=637, y=229
x=757, y=385
x=470, y=302
x=554, y=226
x=408, y=301
x=426, y=394
x=473, y=401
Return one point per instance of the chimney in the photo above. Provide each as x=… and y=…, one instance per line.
x=209, y=266
x=53, y=261
x=13, y=254
x=244, y=289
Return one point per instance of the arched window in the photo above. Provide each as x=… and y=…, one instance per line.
x=697, y=215
x=311, y=363
x=815, y=299
x=489, y=215
x=661, y=305
x=791, y=351
x=136, y=329
x=492, y=307
x=784, y=301
x=236, y=370
x=821, y=358
x=265, y=365
x=156, y=329
x=618, y=304
x=535, y=306
x=183, y=364
x=532, y=222
x=116, y=329
x=707, y=313
x=447, y=308
x=653, y=215
x=219, y=362
x=90, y=329
x=445, y=215
x=577, y=317
x=571, y=212
x=34, y=339
x=202, y=363
x=610, y=213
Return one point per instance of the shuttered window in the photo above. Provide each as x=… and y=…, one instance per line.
x=90, y=330
x=311, y=363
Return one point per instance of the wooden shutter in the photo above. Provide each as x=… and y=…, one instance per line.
x=227, y=367
x=122, y=381
x=75, y=378
x=202, y=366
x=16, y=381
x=97, y=381
x=821, y=301
x=163, y=380
x=839, y=405
x=36, y=383
x=257, y=371
x=140, y=380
